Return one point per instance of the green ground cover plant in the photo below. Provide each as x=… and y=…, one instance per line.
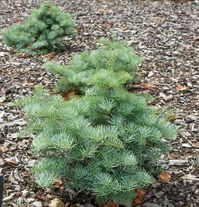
x=113, y=55
x=41, y=32
x=107, y=142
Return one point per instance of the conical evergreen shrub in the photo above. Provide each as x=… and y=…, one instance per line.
x=107, y=142
x=113, y=55
x=41, y=32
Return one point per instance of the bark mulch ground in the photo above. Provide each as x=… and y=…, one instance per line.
x=165, y=33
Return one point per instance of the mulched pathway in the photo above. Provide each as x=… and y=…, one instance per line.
x=165, y=33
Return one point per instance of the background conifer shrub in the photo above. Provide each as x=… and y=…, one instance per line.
x=113, y=55
x=41, y=32
x=107, y=142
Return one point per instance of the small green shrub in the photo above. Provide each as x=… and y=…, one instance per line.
x=114, y=56
x=41, y=32
x=108, y=142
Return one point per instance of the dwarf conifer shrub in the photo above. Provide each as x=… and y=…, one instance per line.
x=41, y=32
x=113, y=55
x=107, y=142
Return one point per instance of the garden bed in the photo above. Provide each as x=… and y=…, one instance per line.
x=166, y=34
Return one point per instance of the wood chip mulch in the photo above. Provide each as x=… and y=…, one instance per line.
x=165, y=33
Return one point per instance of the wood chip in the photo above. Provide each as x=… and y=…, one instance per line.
x=9, y=197
x=4, y=148
x=181, y=88
x=140, y=193
x=146, y=86
x=190, y=177
x=164, y=177
x=56, y=203
x=11, y=161
x=178, y=162
x=110, y=204
x=186, y=145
